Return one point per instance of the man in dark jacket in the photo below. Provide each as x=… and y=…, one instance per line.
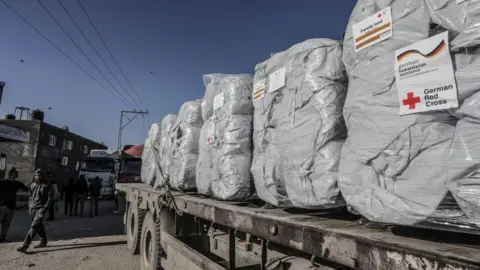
x=41, y=196
x=8, y=201
x=52, y=184
x=68, y=193
x=81, y=191
x=95, y=187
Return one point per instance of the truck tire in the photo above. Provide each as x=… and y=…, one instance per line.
x=133, y=226
x=150, y=249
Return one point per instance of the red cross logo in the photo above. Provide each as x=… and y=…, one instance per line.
x=411, y=101
x=379, y=15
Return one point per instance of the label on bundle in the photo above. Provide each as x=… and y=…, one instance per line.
x=258, y=90
x=373, y=29
x=210, y=131
x=424, y=76
x=218, y=101
x=460, y=1
x=276, y=80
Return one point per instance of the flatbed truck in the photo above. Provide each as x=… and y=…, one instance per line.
x=176, y=230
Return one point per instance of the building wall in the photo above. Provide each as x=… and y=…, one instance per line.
x=21, y=155
x=52, y=155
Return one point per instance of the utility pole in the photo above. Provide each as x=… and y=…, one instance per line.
x=130, y=116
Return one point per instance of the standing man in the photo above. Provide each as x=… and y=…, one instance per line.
x=41, y=196
x=8, y=201
x=95, y=187
x=67, y=194
x=81, y=191
x=53, y=185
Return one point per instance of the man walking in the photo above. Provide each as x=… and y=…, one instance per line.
x=41, y=196
x=67, y=194
x=95, y=187
x=8, y=201
x=81, y=191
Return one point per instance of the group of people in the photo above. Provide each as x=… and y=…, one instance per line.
x=42, y=199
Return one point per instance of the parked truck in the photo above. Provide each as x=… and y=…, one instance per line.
x=130, y=164
x=102, y=164
x=174, y=230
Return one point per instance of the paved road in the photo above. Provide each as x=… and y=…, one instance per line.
x=74, y=243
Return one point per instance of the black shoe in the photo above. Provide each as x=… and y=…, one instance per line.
x=41, y=245
x=22, y=249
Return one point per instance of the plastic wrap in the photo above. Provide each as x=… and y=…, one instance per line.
x=164, y=150
x=298, y=127
x=463, y=161
x=223, y=167
x=184, y=138
x=392, y=167
x=150, y=162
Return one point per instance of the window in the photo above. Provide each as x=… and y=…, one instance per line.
x=69, y=145
x=64, y=161
x=85, y=149
x=52, y=141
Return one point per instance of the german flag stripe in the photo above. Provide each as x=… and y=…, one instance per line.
x=440, y=47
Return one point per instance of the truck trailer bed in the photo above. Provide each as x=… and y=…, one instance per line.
x=331, y=235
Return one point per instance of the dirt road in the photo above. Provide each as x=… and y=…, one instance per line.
x=74, y=243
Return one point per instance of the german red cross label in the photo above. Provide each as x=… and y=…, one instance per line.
x=424, y=76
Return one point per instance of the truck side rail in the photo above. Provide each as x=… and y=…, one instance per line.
x=330, y=235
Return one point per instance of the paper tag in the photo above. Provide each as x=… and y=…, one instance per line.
x=424, y=76
x=276, y=80
x=218, y=101
x=373, y=29
x=210, y=131
x=460, y=1
x=258, y=90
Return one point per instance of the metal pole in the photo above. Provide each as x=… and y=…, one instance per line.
x=120, y=132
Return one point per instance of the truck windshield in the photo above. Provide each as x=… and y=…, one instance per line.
x=98, y=165
x=132, y=166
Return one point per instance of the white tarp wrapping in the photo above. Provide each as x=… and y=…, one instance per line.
x=164, y=148
x=150, y=163
x=223, y=167
x=298, y=125
x=392, y=167
x=184, y=138
x=463, y=162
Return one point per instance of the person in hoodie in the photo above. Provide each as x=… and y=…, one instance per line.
x=8, y=201
x=68, y=196
x=81, y=192
x=95, y=187
x=41, y=196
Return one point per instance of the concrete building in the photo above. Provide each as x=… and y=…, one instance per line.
x=31, y=144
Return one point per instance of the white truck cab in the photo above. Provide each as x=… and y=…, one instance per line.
x=102, y=164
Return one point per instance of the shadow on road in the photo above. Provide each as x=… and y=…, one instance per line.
x=66, y=227
x=76, y=246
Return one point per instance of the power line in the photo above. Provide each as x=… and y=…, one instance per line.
x=111, y=55
x=61, y=51
x=83, y=52
x=99, y=56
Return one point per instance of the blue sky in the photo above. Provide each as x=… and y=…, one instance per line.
x=164, y=48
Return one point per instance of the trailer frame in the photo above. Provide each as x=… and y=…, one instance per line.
x=332, y=236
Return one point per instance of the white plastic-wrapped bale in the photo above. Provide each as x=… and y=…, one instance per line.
x=150, y=162
x=298, y=125
x=184, y=138
x=463, y=161
x=165, y=147
x=392, y=167
x=225, y=157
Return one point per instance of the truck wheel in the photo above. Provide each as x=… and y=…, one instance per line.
x=134, y=224
x=150, y=248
